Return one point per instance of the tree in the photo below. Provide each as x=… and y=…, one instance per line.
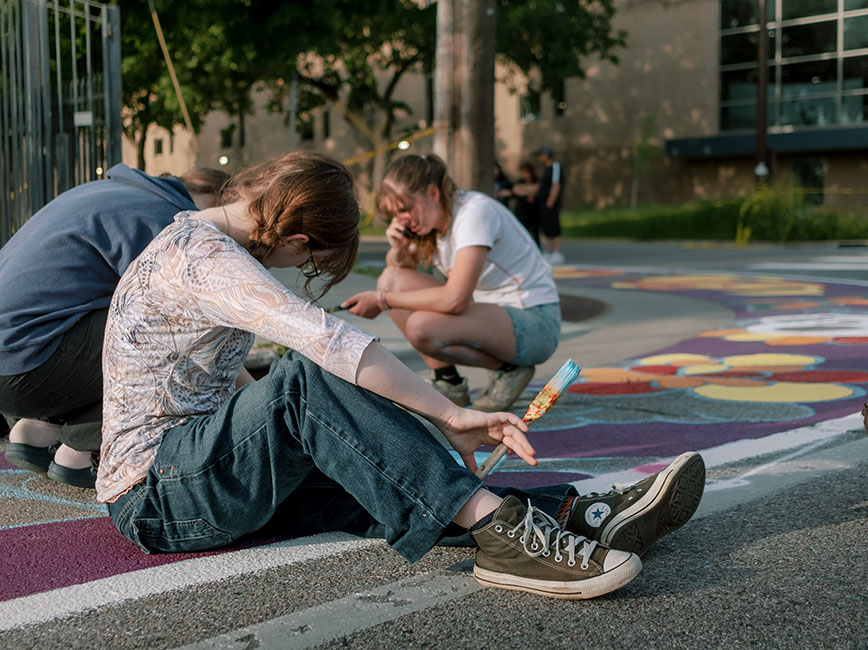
x=376, y=42
x=219, y=49
x=363, y=51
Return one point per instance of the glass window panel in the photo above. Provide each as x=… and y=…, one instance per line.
x=741, y=84
x=816, y=38
x=856, y=73
x=856, y=33
x=743, y=117
x=854, y=109
x=855, y=4
x=812, y=78
x=801, y=8
x=738, y=48
x=738, y=13
x=810, y=111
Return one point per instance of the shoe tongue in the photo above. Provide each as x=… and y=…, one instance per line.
x=511, y=510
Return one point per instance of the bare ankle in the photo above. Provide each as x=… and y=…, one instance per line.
x=34, y=432
x=69, y=457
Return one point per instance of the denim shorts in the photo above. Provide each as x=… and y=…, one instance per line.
x=537, y=332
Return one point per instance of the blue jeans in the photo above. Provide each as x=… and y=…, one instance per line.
x=298, y=452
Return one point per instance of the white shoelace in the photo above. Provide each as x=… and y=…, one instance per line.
x=543, y=533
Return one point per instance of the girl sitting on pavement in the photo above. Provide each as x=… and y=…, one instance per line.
x=190, y=461
x=498, y=308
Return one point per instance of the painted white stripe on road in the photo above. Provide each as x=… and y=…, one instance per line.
x=310, y=627
x=811, y=266
x=739, y=450
x=59, y=603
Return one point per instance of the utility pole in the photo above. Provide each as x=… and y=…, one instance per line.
x=762, y=158
x=464, y=90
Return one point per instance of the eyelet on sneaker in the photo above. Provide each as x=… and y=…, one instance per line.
x=534, y=546
x=511, y=534
x=498, y=529
x=558, y=557
x=546, y=553
x=584, y=565
x=573, y=563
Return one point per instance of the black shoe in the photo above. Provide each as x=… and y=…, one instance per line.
x=633, y=518
x=82, y=478
x=33, y=459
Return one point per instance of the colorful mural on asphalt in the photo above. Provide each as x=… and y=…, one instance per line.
x=795, y=355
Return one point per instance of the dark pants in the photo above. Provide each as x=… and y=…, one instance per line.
x=66, y=389
x=300, y=451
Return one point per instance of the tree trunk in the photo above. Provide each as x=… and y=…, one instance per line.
x=464, y=94
x=140, y=147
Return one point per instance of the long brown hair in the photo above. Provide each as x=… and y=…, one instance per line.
x=415, y=173
x=301, y=192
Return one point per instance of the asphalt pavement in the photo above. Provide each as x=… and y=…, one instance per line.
x=776, y=556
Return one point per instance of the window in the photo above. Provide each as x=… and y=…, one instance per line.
x=529, y=106
x=158, y=146
x=856, y=33
x=818, y=68
x=305, y=127
x=810, y=175
x=559, y=97
x=226, y=136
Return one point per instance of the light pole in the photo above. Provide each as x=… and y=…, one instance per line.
x=762, y=168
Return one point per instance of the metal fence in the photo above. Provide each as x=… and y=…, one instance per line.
x=60, y=101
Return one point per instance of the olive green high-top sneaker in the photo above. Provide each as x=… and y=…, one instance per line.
x=524, y=549
x=633, y=518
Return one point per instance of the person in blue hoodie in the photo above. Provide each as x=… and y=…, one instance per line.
x=57, y=276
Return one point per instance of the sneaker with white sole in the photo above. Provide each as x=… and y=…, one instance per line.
x=555, y=257
x=504, y=388
x=633, y=518
x=523, y=549
x=458, y=393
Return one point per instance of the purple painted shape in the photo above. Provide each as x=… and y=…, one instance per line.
x=49, y=556
x=5, y=464
x=532, y=478
x=667, y=439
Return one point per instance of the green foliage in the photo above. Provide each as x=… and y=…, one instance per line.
x=770, y=214
x=706, y=220
x=555, y=36
x=776, y=214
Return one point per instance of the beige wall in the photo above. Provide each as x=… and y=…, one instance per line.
x=667, y=72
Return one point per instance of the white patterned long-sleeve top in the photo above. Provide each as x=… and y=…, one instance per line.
x=180, y=325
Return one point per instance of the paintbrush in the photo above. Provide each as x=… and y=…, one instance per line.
x=332, y=310
x=540, y=405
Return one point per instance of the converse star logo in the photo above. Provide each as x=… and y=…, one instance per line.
x=596, y=513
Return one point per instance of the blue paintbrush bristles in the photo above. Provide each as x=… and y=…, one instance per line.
x=568, y=373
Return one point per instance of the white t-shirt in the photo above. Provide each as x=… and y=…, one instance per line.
x=515, y=273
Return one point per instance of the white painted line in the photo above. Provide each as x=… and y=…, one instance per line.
x=338, y=618
x=811, y=266
x=59, y=603
x=739, y=450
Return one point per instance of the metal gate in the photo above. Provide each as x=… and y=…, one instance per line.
x=60, y=101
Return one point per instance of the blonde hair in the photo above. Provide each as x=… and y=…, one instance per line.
x=301, y=192
x=415, y=173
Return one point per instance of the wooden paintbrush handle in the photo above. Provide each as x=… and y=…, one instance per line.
x=492, y=460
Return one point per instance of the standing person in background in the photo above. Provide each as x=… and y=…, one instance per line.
x=526, y=208
x=502, y=184
x=57, y=276
x=498, y=308
x=549, y=197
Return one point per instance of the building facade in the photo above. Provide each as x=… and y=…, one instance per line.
x=684, y=93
